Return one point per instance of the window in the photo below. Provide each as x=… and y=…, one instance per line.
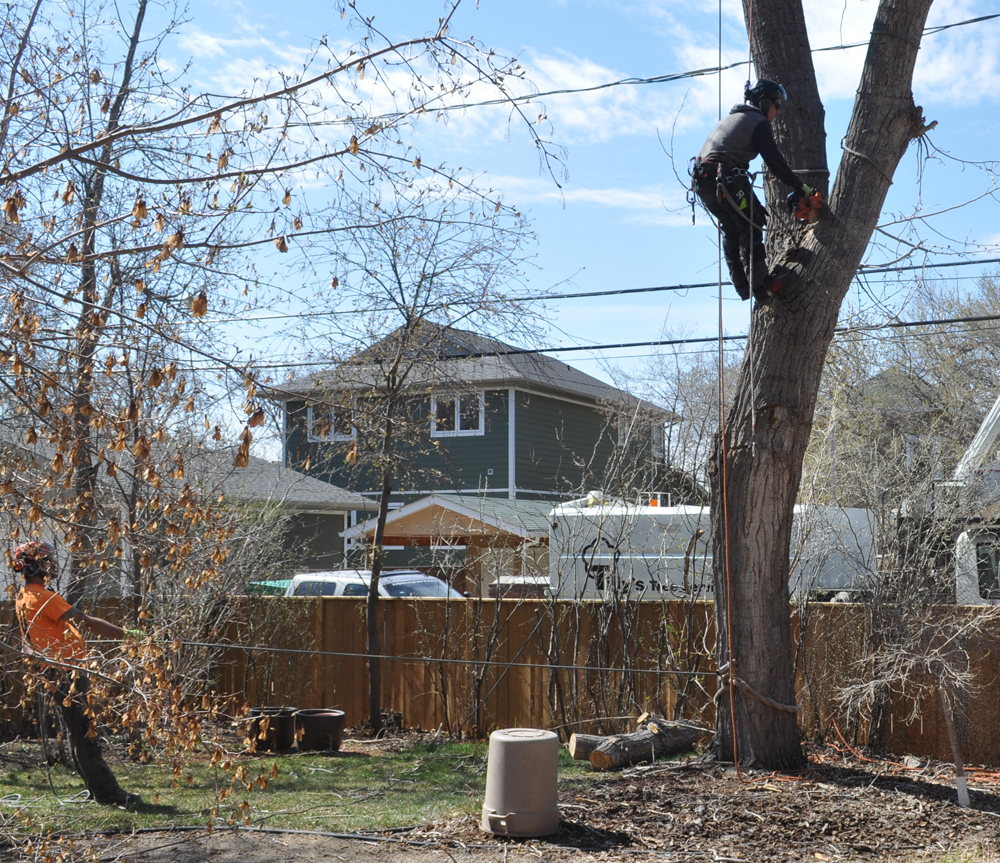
x=327, y=422
x=458, y=416
x=626, y=424
x=658, y=433
x=987, y=560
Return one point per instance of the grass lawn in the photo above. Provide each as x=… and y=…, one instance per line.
x=367, y=786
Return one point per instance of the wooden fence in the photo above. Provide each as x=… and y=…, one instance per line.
x=471, y=666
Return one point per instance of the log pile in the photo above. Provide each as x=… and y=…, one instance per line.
x=653, y=738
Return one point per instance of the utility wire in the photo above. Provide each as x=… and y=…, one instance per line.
x=655, y=343
x=633, y=81
x=582, y=295
x=491, y=663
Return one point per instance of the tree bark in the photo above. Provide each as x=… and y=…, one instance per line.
x=757, y=460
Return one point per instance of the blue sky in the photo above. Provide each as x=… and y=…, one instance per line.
x=620, y=219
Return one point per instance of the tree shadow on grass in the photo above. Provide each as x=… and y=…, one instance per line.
x=145, y=808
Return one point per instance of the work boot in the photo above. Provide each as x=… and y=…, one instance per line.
x=743, y=289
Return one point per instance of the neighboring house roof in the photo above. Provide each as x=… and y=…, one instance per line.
x=452, y=516
x=212, y=470
x=464, y=357
x=267, y=482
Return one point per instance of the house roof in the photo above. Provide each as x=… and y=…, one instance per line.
x=212, y=470
x=267, y=482
x=460, y=356
x=452, y=516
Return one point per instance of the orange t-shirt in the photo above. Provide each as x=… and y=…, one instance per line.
x=38, y=611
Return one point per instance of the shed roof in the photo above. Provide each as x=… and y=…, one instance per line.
x=450, y=516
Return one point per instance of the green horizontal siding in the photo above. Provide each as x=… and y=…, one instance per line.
x=554, y=437
x=425, y=462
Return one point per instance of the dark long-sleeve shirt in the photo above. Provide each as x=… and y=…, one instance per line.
x=740, y=137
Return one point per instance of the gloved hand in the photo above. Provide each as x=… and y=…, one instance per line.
x=806, y=190
x=135, y=634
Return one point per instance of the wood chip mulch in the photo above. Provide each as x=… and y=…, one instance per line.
x=843, y=807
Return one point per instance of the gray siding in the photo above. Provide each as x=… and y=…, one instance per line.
x=561, y=446
x=463, y=463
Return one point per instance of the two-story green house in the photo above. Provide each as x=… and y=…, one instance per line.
x=474, y=416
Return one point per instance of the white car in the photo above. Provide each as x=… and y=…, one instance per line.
x=354, y=582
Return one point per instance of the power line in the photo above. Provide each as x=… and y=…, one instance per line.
x=249, y=648
x=529, y=298
x=633, y=81
x=654, y=343
x=866, y=269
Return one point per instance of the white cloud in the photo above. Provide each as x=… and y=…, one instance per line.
x=200, y=44
x=959, y=66
x=655, y=204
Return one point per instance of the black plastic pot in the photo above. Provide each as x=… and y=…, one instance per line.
x=273, y=728
x=319, y=729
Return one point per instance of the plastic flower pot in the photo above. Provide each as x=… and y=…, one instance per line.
x=272, y=728
x=320, y=729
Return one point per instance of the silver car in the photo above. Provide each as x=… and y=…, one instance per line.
x=354, y=582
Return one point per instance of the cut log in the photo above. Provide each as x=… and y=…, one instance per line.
x=581, y=745
x=656, y=740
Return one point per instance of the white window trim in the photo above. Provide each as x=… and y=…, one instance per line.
x=457, y=432
x=333, y=437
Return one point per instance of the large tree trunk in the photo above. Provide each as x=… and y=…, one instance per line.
x=757, y=459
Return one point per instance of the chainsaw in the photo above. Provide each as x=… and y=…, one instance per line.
x=805, y=208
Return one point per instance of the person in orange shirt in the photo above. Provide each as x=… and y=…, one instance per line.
x=49, y=626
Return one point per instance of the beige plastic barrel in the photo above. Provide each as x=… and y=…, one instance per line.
x=521, y=783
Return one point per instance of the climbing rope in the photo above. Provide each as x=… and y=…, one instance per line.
x=750, y=338
x=724, y=479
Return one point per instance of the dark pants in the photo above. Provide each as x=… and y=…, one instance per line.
x=86, y=749
x=742, y=218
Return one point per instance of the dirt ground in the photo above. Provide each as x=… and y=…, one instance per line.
x=844, y=807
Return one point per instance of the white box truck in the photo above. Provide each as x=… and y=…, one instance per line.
x=599, y=545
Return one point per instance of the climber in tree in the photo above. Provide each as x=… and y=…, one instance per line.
x=719, y=177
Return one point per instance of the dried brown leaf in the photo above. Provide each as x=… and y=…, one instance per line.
x=199, y=305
